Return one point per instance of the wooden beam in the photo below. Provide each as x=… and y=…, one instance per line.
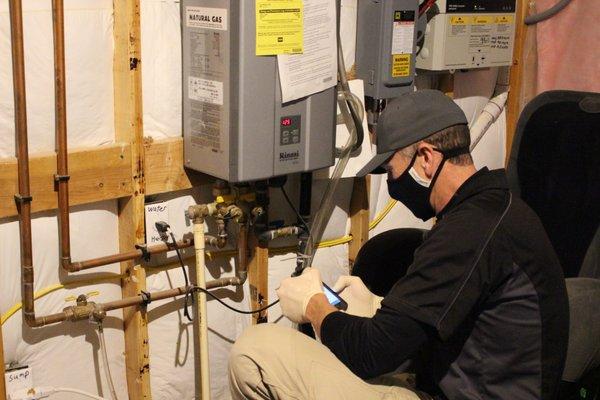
x=96, y=174
x=129, y=128
x=359, y=217
x=164, y=163
x=100, y=173
x=513, y=105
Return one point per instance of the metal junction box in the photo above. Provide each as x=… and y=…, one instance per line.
x=469, y=34
x=385, y=46
x=234, y=124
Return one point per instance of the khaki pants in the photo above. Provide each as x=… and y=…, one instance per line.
x=273, y=362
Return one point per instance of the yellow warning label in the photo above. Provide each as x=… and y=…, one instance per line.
x=460, y=20
x=279, y=27
x=483, y=19
x=504, y=19
x=400, y=65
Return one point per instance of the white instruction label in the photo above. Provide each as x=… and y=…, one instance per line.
x=205, y=90
x=208, y=18
x=403, y=32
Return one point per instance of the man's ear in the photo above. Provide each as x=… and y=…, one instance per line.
x=427, y=160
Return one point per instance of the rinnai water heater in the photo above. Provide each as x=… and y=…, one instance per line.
x=234, y=124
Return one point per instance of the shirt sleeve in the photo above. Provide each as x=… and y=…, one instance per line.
x=370, y=347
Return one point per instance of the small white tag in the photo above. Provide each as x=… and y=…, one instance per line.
x=155, y=212
x=18, y=379
x=205, y=90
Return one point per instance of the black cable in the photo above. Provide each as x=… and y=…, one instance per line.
x=198, y=288
x=191, y=289
x=287, y=199
x=186, y=301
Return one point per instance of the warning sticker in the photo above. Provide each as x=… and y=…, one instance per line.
x=483, y=20
x=400, y=65
x=207, y=18
x=403, y=32
x=279, y=27
x=504, y=19
x=205, y=90
x=460, y=20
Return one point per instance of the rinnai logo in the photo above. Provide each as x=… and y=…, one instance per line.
x=289, y=155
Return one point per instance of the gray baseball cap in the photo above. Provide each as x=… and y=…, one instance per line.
x=409, y=119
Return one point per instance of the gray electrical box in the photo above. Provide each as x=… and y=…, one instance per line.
x=385, y=46
x=465, y=34
x=234, y=124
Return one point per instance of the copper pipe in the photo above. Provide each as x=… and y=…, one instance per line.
x=131, y=255
x=60, y=122
x=23, y=198
x=242, y=271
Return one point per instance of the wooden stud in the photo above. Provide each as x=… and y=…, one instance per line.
x=359, y=217
x=129, y=128
x=96, y=174
x=513, y=106
x=258, y=279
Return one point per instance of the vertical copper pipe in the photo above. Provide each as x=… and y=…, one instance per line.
x=60, y=121
x=23, y=198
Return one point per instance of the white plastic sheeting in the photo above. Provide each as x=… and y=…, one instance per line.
x=68, y=354
x=89, y=52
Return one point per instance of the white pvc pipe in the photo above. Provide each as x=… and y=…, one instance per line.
x=201, y=314
x=488, y=116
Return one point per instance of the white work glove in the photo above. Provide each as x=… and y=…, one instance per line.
x=361, y=302
x=295, y=293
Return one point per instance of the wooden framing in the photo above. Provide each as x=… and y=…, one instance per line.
x=96, y=174
x=129, y=129
x=101, y=173
x=359, y=217
x=513, y=106
x=165, y=159
x=258, y=279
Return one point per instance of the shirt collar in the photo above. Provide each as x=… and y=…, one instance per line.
x=484, y=179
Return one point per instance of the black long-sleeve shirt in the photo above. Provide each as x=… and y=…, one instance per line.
x=485, y=297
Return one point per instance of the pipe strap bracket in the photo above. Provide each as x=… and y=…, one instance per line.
x=146, y=256
x=20, y=199
x=146, y=297
x=61, y=178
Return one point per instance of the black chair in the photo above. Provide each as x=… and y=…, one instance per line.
x=555, y=168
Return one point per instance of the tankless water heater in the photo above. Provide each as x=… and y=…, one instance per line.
x=234, y=124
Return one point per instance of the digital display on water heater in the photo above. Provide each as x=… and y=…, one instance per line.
x=286, y=121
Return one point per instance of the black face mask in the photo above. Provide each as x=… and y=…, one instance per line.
x=412, y=194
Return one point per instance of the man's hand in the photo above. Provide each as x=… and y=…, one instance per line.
x=295, y=293
x=361, y=302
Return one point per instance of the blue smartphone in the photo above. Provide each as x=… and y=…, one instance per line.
x=334, y=299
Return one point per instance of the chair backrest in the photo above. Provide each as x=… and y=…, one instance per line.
x=583, y=354
x=590, y=268
x=555, y=168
